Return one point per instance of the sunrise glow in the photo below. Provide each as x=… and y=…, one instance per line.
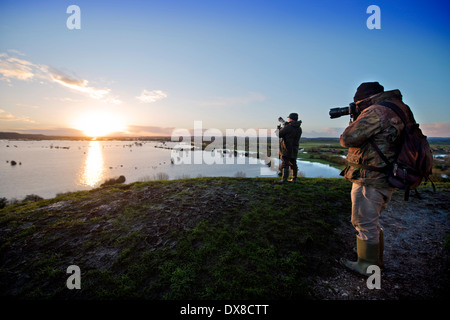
x=99, y=124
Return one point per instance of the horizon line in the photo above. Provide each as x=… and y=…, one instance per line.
x=84, y=137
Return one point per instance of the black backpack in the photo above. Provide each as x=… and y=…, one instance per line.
x=414, y=161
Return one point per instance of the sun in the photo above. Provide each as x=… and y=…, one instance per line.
x=99, y=124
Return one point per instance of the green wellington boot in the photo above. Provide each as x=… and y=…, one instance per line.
x=368, y=254
x=380, y=262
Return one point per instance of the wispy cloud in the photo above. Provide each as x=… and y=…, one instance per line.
x=52, y=131
x=15, y=68
x=5, y=116
x=151, y=96
x=250, y=97
x=81, y=85
x=437, y=129
x=323, y=133
x=21, y=69
x=17, y=52
x=66, y=99
x=149, y=131
x=27, y=106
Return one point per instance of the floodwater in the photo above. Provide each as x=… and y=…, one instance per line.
x=49, y=167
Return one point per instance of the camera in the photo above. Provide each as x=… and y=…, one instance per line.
x=280, y=119
x=351, y=110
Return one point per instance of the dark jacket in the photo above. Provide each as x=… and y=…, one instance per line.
x=289, y=139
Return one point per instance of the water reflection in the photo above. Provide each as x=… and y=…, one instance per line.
x=93, y=171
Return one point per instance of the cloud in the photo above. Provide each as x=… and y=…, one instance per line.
x=62, y=99
x=28, y=106
x=81, y=85
x=16, y=52
x=52, y=131
x=437, y=129
x=250, y=97
x=15, y=68
x=149, y=131
x=21, y=69
x=5, y=116
x=323, y=133
x=151, y=96
x=132, y=131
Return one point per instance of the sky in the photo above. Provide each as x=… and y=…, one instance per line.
x=150, y=67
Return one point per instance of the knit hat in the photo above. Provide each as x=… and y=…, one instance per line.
x=367, y=89
x=293, y=116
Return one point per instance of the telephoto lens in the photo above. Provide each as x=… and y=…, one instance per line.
x=339, y=112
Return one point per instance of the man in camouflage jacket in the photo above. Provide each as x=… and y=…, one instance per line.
x=371, y=191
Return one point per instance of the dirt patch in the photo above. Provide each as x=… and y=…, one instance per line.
x=417, y=264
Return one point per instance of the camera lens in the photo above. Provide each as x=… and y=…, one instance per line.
x=339, y=112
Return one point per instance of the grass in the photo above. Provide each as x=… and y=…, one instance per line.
x=204, y=238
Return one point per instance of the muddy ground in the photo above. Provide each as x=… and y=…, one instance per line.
x=416, y=260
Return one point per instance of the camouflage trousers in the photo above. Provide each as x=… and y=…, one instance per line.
x=367, y=205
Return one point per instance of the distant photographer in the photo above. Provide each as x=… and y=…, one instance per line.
x=374, y=125
x=289, y=140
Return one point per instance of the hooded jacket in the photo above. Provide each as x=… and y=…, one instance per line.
x=290, y=137
x=381, y=124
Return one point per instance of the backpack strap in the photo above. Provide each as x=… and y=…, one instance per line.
x=394, y=108
x=381, y=154
x=367, y=167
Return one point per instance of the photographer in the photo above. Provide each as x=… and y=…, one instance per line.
x=371, y=191
x=289, y=139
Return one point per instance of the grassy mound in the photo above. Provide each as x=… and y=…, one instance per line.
x=204, y=238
